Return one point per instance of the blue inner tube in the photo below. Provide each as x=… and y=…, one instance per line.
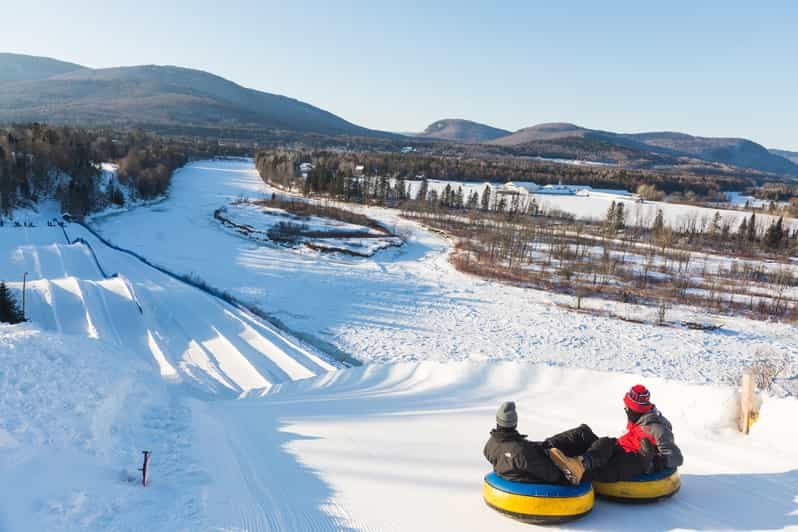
x=537, y=490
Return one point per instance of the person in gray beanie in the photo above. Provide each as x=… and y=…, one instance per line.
x=515, y=458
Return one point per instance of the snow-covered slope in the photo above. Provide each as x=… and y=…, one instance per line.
x=189, y=335
x=75, y=414
x=383, y=447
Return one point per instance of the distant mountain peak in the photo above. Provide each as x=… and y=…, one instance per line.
x=460, y=130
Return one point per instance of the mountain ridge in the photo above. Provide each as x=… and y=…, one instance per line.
x=155, y=95
x=20, y=67
x=461, y=130
x=724, y=150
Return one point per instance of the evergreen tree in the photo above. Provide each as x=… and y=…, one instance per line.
x=742, y=233
x=659, y=223
x=620, y=217
x=751, y=235
x=502, y=205
x=486, y=198
x=609, y=221
x=473, y=200
x=421, y=195
x=775, y=234
x=9, y=308
x=458, y=198
x=401, y=191
x=446, y=198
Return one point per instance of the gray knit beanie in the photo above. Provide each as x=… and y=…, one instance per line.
x=506, y=416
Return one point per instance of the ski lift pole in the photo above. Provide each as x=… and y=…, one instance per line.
x=143, y=468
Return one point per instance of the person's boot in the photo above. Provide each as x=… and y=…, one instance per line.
x=571, y=467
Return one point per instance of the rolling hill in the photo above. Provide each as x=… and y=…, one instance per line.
x=458, y=130
x=789, y=155
x=656, y=147
x=40, y=89
x=16, y=67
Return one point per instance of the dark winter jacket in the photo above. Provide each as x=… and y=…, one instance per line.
x=515, y=458
x=655, y=424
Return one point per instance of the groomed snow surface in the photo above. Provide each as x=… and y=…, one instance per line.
x=245, y=437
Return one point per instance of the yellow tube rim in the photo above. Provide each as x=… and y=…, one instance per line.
x=640, y=491
x=537, y=507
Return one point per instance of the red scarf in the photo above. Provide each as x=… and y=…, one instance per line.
x=634, y=435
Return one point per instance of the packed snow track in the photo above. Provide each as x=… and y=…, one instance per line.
x=191, y=336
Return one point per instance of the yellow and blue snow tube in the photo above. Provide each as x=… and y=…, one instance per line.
x=537, y=503
x=645, y=488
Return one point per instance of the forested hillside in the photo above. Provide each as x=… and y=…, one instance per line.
x=39, y=161
x=331, y=170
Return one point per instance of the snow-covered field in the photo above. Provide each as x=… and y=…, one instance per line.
x=592, y=204
x=245, y=437
x=676, y=215
x=409, y=304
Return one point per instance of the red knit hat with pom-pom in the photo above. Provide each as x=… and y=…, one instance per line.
x=638, y=399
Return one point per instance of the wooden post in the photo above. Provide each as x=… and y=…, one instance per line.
x=143, y=468
x=747, y=413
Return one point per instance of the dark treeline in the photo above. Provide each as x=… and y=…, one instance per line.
x=39, y=161
x=333, y=168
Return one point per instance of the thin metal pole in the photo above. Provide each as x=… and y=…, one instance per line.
x=143, y=468
x=24, y=286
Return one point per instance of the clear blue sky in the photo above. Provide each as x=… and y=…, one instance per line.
x=724, y=68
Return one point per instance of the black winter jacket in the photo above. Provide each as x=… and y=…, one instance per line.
x=515, y=458
x=655, y=424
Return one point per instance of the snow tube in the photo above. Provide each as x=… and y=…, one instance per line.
x=645, y=488
x=537, y=503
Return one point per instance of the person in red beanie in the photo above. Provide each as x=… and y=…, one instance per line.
x=647, y=446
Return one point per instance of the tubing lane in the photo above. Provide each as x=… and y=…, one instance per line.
x=218, y=294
